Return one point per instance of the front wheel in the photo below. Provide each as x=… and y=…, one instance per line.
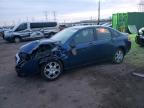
x=17, y=40
x=51, y=70
x=118, y=56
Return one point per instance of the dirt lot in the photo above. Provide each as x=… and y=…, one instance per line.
x=98, y=86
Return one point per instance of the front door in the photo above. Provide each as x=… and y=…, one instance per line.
x=83, y=47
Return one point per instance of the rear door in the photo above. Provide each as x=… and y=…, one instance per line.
x=37, y=30
x=103, y=44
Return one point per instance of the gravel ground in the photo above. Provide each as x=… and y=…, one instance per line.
x=102, y=85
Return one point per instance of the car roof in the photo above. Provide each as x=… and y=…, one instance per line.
x=87, y=26
x=93, y=26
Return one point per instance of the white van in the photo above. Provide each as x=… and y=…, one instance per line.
x=33, y=30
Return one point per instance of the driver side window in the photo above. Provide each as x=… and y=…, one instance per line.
x=84, y=36
x=22, y=27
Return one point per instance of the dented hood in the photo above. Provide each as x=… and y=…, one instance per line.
x=28, y=48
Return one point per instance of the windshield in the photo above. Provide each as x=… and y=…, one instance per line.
x=20, y=27
x=64, y=35
x=15, y=27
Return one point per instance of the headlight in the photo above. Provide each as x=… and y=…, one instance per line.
x=17, y=58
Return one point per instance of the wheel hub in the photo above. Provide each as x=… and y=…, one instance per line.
x=52, y=70
x=119, y=56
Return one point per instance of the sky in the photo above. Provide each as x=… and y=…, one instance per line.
x=16, y=11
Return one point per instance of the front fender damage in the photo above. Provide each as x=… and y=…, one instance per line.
x=31, y=63
x=56, y=53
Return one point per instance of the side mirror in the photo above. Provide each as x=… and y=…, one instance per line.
x=73, y=48
x=72, y=44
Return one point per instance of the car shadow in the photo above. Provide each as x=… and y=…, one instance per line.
x=84, y=67
x=66, y=74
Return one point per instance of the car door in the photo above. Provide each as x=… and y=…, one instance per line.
x=37, y=30
x=25, y=34
x=23, y=31
x=83, y=47
x=103, y=44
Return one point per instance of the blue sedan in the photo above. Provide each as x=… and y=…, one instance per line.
x=72, y=47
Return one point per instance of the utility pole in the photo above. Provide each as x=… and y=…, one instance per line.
x=27, y=19
x=54, y=15
x=13, y=22
x=91, y=18
x=46, y=15
x=141, y=6
x=99, y=7
x=33, y=19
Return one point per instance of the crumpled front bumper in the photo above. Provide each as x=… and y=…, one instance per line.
x=26, y=67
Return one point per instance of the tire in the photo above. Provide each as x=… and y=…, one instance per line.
x=51, y=70
x=17, y=40
x=118, y=56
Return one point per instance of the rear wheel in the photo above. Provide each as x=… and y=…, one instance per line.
x=118, y=56
x=51, y=70
x=17, y=40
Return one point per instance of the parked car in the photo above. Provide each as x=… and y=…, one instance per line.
x=2, y=29
x=140, y=37
x=72, y=47
x=34, y=30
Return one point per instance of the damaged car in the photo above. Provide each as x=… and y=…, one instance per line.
x=70, y=48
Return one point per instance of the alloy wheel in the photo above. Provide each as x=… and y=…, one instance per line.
x=52, y=70
x=119, y=55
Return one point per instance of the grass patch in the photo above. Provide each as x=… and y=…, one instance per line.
x=136, y=54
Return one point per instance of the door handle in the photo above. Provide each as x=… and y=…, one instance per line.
x=90, y=44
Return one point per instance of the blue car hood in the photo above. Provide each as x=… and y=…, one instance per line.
x=30, y=47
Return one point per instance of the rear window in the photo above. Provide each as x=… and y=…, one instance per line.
x=42, y=25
